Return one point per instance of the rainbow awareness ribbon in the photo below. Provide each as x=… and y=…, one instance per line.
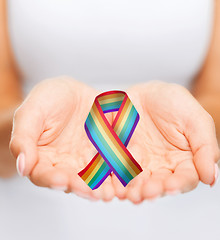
x=111, y=141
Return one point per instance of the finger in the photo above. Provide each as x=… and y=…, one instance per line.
x=106, y=191
x=27, y=128
x=120, y=190
x=134, y=188
x=185, y=178
x=45, y=174
x=154, y=186
x=80, y=188
x=203, y=142
x=75, y=184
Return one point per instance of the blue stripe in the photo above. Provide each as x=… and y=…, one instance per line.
x=129, y=127
x=98, y=140
x=106, y=151
x=99, y=178
x=109, y=106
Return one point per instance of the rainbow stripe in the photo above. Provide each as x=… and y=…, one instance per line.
x=111, y=141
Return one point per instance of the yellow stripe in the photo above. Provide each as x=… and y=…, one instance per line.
x=109, y=96
x=91, y=168
x=129, y=161
x=122, y=123
x=110, y=100
x=94, y=171
x=122, y=114
x=111, y=144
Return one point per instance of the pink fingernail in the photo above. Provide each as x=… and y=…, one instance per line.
x=20, y=164
x=216, y=175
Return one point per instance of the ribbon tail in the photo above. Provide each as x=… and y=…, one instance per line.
x=95, y=173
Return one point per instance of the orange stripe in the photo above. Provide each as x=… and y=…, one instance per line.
x=127, y=159
x=88, y=172
x=110, y=96
x=122, y=114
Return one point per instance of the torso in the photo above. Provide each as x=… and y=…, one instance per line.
x=107, y=44
x=115, y=42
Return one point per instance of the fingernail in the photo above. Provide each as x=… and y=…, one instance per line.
x=20, y=164
x=59, y=188
x=216, y=175
x=173, y=192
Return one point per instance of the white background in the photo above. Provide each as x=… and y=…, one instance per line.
x=108, y=44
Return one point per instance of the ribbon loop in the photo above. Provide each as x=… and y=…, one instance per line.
x=111, y=141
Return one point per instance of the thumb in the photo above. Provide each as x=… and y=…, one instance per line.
x=27, y=128
x=202, y=139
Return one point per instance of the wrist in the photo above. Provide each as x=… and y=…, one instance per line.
x=7, y=162
x=211, y=103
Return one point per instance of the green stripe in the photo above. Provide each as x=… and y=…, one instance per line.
x=104, y=164
x=112, y=105
x=91, y=129
x=126, y=123
x=107, y=147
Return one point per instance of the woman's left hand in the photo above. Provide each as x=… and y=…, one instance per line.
x=49, y=137
x=174, y=142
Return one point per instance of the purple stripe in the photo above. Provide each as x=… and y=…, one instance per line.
x=103, y=179
x=111, y=110
x=132, y=130
x=103, y=156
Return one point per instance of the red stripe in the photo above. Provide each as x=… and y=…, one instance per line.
x=108, y=93
x=81, y=173
x=116, y=136
x=120, y=110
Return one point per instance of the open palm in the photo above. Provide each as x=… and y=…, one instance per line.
x=174, y=142
x=49, y=130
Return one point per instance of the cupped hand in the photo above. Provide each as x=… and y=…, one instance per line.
x=174, y=142
x=48, y=133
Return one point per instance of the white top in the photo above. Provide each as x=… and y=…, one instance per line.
x=111, y=42
x=108, y=44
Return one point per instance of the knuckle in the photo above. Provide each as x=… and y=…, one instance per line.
x=17, y=113
x=178, y=88
x=13, y=142
x=217, y=155
x=13, y=145
x=210, y=118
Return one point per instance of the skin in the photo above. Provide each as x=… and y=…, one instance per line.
x=175, y=151
x=173, y=147
x=206, y=85
x=53, y=140
x=10, y=95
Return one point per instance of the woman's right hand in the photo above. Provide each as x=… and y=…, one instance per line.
x=49, y=139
